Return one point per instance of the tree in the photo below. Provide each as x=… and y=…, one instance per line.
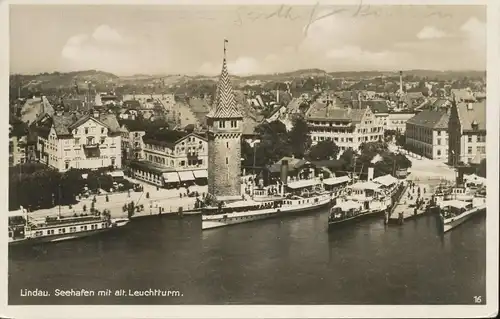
x=299, y=137
x=274, y=144
x=247, y=153
x=324, y=150
x=348, y=157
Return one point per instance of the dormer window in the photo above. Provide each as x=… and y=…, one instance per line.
x=234, y=124
x=475, y=125
x=222, y=124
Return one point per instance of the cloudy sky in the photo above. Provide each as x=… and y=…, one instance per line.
x=150, y=39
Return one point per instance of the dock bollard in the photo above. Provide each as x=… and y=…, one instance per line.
x=400, y=219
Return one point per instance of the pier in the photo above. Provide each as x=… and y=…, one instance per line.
x=412, y=203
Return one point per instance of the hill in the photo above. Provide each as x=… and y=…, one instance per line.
x=55, y=80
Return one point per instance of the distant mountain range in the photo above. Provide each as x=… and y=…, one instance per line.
x=64, y=80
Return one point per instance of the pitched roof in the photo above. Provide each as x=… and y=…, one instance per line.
x=293, y=164
x=225, y=103
x=64, y=123
x=463, y=94
x=477, y=113
x=168, y=138
x=320, y=111
x=431, y=119
x=131, y=104
x=377, y=106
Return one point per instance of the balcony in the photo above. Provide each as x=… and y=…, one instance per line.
x=91, y=145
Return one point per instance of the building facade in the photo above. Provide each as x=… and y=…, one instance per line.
x=427, y=134
x=17, y=150
x=347, y=127
x=132, y=143
x=66, y=141
x=225, y=127
x=189, y=152
x=467, y=128
x=396, y=121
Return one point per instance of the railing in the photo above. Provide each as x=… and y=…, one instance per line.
x=397, y=198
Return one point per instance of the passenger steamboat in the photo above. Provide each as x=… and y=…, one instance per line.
x=252, y=210
x=302, y=196
x=461, y=202
x=26, y=230
x=361, y=200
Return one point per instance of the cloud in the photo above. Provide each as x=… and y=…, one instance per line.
x=475, y=30
x=105, y=33
x=104, y=48
x=430, y=32
x=328, y=29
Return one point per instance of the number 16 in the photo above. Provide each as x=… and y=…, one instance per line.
x=477, y=299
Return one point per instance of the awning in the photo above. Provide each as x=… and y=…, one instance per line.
x=336, y=180
x=365, y=185
x=116, y=174
x=186, y=176
x=454, y=203
x=386, y=180
x=170, y=177
x=303, y=183
x=201, y=173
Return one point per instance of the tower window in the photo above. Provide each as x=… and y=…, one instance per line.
x=222, y=124
x=227, y=144
x=227, y=160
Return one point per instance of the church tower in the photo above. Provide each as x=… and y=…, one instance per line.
x=225, y=124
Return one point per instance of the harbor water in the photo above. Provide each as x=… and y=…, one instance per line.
x=290, y=261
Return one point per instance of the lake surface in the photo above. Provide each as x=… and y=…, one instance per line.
x=290, y=261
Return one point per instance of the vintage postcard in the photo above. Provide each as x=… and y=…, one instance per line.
x=196, y=159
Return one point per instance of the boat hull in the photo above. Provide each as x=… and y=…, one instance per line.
x=64, y=237
x=210, y=222
x=355, y=219
x=448, y=224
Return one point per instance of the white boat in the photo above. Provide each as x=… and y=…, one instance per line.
x=361, y=199
x=248, y=210
x=455, y=212
x=25, y=230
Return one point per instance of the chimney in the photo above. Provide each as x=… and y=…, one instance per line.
x=284, y=172
x=278, y=96
x=401, y=82
x=370, y=172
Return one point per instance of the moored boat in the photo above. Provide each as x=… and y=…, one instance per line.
x=361, y=200
x=25, y=230
x=455, y=212
x=248, y=210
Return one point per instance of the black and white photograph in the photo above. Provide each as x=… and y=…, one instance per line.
x=244, y=154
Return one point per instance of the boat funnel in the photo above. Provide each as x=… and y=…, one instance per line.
x=370, y=173
x=284, y=172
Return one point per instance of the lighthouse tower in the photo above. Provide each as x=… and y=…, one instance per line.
x=225, y=124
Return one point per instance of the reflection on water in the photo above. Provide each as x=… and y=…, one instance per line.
x=294, y=260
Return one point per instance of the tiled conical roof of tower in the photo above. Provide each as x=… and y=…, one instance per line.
x=224, y=103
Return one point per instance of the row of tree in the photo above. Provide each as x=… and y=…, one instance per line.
x=36, y=186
